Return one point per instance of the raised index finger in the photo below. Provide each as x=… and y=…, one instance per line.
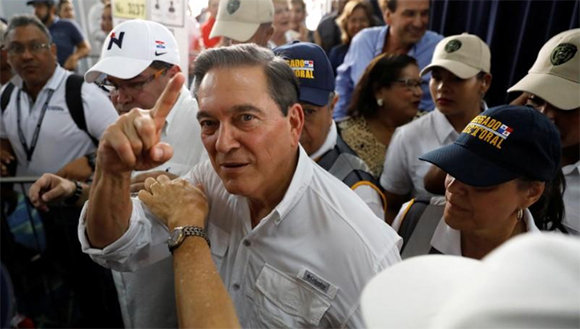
x=167, y=100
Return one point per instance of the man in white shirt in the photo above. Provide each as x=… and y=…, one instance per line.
x=552, y=86
x=293, y=245
x=137, y=61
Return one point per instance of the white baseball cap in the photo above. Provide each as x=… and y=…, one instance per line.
x=555, y=75
x=131, y=47
x=531, y=281
x=240, y=19
x=464, y=55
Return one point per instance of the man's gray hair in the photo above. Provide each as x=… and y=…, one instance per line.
x=282, y=83
x=25, y=20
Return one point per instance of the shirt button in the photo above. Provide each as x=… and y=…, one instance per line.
x=247, y=243
x=236, y=286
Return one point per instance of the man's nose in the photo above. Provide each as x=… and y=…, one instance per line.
x=226, y=139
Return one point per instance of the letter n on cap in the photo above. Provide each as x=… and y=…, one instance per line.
x=118, y=41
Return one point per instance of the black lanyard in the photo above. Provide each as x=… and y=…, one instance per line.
x=30, y=150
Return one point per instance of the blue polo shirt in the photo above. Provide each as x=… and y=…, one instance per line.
x=66, y=34
x=365, y=46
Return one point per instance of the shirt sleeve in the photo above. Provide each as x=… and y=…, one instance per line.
x=372, y=198
x=144, y=243
x=99, y=111
x=359, y=55
x=395, y=178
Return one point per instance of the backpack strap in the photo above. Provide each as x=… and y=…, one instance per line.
x=74, y=102
x=418, y=227
x=5, y=98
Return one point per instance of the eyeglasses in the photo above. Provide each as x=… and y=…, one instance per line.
x=33, y=48
x=411, y=83
x=136, y=86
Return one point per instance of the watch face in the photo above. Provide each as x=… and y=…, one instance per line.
x=175, y=237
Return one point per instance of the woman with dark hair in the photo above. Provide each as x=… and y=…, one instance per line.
x=503, y=179
x=356, y=15
x=387, y=96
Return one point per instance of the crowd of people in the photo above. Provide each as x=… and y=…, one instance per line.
x=298, y=166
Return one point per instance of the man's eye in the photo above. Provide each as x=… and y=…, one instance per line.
x=309, y=111
x=207, y=124
x=247, y=117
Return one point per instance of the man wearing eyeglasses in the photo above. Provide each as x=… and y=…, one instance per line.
x=38, y=132
x=137, y=61
x=36, y=124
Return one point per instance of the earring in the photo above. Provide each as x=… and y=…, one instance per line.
x=380, y=102
x=520, y=214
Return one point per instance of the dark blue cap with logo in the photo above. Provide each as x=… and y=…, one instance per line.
x=33, y=2
x=312, y=68
x=501, y=144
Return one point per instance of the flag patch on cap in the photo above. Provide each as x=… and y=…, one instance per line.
x=303, y=68
x=489, y=130
x=159, y=44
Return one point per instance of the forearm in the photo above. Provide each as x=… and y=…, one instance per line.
x=81, y=51
x=109, y=208
x=202, y=299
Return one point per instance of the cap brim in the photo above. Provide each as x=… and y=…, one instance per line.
x=314, y=96
x=238, y=31
x=467, y=166
x=459, y=69
x=411, y=294
x=563, y=94
x=118, y=67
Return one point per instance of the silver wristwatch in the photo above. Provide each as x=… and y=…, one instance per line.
x=179, y=234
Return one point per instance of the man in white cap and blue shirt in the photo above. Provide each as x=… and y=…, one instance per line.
x=244, y=21
x=552, y=86
x=137, y=61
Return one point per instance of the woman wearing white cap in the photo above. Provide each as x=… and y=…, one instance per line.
x=505, y=161
x=460, y=77
x=552, y=87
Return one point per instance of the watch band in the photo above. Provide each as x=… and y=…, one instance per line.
x=186, y=232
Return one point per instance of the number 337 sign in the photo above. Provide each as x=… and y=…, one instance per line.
x=130, y=8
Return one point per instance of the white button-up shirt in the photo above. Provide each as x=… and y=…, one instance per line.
x=572, y=198
x=304, y=265
x=403, y=172
x=60, y=140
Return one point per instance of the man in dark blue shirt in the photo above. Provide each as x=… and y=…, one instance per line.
x=70, y=43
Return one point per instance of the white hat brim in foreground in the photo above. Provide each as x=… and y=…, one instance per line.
x=531, y=281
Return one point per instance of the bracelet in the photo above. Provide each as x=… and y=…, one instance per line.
x=72, y=200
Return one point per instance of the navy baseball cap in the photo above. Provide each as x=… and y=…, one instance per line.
x=33, y=2
x=501, y=144
x=312, y=68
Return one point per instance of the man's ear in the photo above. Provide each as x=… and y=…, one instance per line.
x=296, y=119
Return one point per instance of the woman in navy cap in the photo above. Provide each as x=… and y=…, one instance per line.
x=504, y=164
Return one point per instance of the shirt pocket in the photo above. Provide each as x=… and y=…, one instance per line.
x=282, y=301
x=219, y=240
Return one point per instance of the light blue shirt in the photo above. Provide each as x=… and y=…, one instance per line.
x=365, y=46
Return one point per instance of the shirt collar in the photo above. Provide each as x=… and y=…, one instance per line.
x=328, y=144
x=300, y=181
x=571, y=168
x=448, y=240
x=443, y=129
